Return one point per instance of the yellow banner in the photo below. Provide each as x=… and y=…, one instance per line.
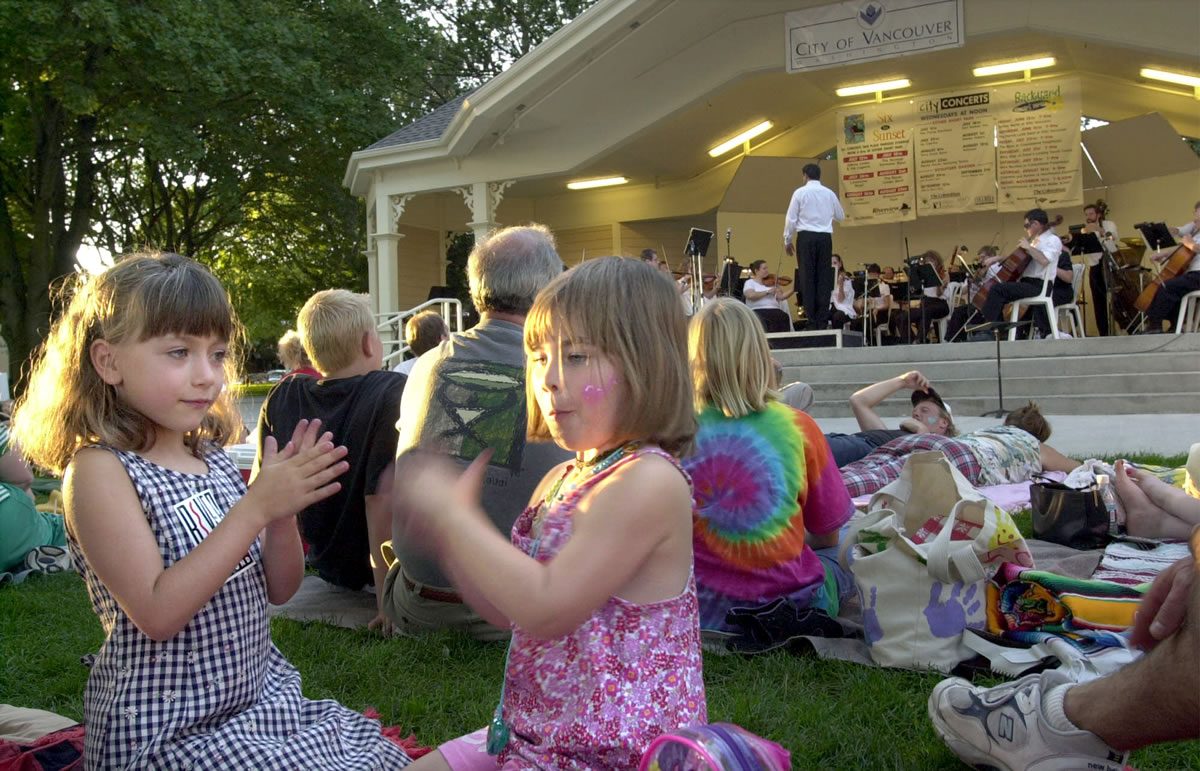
x=875, y=164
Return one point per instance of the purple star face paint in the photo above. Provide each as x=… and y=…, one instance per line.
x=593, y=393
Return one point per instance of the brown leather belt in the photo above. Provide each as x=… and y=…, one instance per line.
x=429, y=593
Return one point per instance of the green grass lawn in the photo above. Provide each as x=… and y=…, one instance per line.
x=829, y=714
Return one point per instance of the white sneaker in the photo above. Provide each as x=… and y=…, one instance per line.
x=1004, y=728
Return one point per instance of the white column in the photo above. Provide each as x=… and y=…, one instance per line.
x=482, y=198
x=387, y=255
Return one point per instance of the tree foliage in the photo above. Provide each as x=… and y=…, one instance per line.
x=221, y=130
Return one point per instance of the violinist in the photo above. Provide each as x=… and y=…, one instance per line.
x=881, y=306
x=765, y=298
x=1095, y=216
x=1166, y=301
x=1043, y=246
x=841, y=301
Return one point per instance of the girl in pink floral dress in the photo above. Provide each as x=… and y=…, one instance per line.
x=597, y=581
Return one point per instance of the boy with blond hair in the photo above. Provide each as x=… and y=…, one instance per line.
x=359, y=402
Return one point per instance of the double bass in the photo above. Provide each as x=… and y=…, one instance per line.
x=1175, y=265
x=1010, y=270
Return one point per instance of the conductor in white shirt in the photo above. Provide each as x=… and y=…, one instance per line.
x=810, y=218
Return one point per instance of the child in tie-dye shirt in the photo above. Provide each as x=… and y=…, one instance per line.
x=769, y=499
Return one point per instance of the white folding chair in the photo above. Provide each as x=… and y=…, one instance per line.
x=1073, y=317
x=1043, y=300
x=1189, y=313
x=953, y=290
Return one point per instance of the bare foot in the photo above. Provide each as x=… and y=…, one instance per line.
x=1143, y=496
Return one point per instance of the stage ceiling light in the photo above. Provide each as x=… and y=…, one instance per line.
x=741, y=138
x=872, y=88
x=1021, y=66
x=1170, y=77
x=584, y=184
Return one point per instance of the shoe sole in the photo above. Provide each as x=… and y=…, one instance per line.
x=966, y=752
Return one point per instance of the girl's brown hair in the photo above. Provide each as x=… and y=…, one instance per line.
x=67, y=405
x=631, y=312
x=1030, y=419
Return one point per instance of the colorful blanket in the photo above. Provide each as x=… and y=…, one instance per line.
x=1029, y=606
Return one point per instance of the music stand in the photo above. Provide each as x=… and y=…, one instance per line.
x=731, y=284
x=1156, y=234
x=997, y=328
x=1085, y=243
x=920, y=278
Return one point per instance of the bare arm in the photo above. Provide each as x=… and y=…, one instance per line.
x=864, y=401
x=107, y=517
x=600, y=559
x=822, y=541
x=379, y=529
x=283, y=559
x=1053, y=460
x=14, y=470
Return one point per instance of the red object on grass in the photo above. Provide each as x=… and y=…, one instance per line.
x=408, y=743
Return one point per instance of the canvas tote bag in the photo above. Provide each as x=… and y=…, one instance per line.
x=921, y=559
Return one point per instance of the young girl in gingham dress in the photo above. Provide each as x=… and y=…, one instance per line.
x=597, y=580
x=180, y=559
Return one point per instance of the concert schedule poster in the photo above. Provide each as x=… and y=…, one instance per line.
x=875, y=164
x=1038, y=160
x=956, y=158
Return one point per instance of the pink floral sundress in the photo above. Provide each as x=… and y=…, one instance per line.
x=596, y=697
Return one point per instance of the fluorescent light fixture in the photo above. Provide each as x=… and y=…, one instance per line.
x=741, y=138
x=871, y=88
x=1170, y=77
x=1021, y=66
x=584, y=184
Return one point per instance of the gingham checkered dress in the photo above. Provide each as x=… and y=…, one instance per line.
x=219, y=694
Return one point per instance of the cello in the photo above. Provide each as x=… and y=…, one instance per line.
x=1010, y=270
x=1175, y=265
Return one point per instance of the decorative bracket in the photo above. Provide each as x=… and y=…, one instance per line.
x=398, y=203
x=468, y=198
x=496, y=193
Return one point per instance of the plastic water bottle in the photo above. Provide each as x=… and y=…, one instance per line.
x=1109, y=496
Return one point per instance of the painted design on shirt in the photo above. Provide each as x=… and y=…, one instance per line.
x=197, y=516
x=482, y=405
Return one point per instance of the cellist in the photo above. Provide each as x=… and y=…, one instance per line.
x=1166, y=301
x=1043, y=246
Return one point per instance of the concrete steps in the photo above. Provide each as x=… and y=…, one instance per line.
x=1095, y=376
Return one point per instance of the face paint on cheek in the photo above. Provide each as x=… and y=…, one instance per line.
x=931, y=420
x=594, y=393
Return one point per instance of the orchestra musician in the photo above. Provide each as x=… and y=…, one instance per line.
x=880, y=306
x=1043, y=246
x=933, y=306
x=769, y=303
x=841, y=302
x=960, y=316
x=1095, y=216
x=1165, y=305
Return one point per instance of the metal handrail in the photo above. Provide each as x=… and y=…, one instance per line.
x=391, y=326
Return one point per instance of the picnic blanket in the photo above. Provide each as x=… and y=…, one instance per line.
x=1131, y=564
x=1011, y=497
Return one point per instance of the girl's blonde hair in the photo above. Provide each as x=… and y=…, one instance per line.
x=731, y=362
x=67, y=405
x=631, y=312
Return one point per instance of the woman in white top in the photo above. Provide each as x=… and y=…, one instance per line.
x=765, y=300
x=1095, y=216
x=934, y=304
x=841, y=300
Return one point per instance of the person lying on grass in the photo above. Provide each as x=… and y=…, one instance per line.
x=597, y=581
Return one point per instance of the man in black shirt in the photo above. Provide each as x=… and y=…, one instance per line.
x=359, y=403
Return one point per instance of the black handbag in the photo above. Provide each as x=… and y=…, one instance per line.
x=1075, y=518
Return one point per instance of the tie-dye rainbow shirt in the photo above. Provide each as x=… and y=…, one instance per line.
x=760, y=482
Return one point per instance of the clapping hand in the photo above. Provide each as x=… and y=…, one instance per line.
x=432, y=496
x=299, y=475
